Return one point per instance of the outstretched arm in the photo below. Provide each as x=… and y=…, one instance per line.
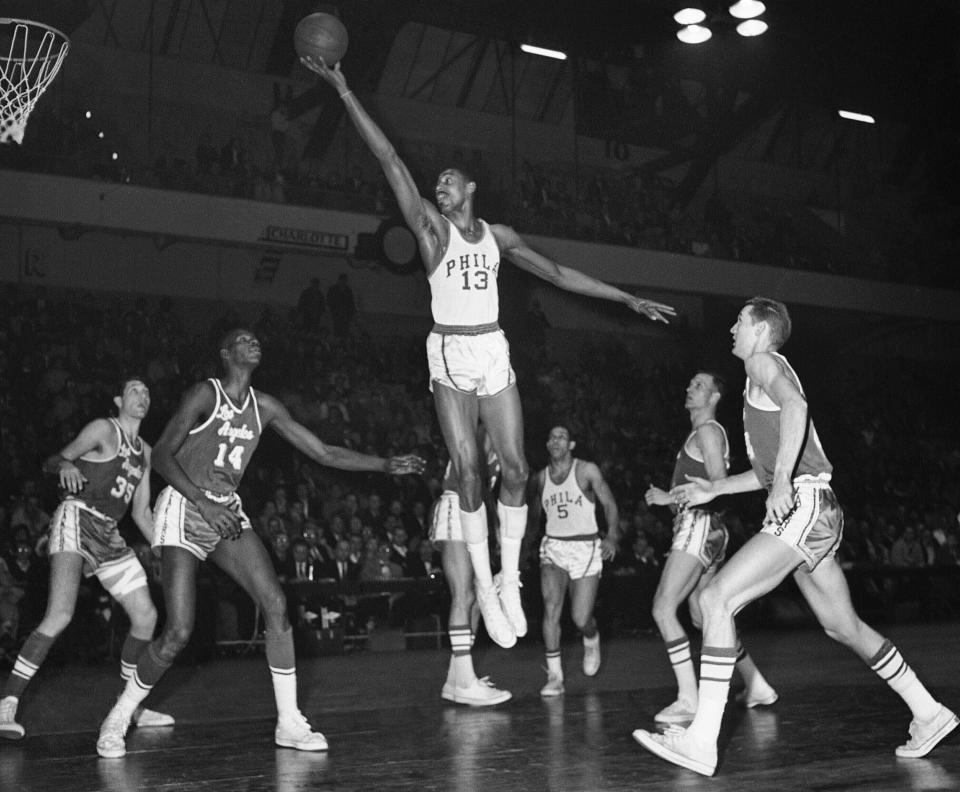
x=278, y=417
x=527, y=259
x=422, y=216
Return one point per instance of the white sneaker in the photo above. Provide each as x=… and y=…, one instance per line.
x=926, y=735
x=509, y=590
x=757, y=698
x=681, y=711
x=112, y=743
x=9, y=728
x=554, y=686
x=499, y=629
x=144, y=718
x=676, y=746
x=293, y=731
x=479, y=693
x=591, y=656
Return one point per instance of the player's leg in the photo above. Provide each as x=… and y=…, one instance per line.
x=553, y=586
x=756, y=569
x=757, y=692
x=463, y=686
x=179, y=578
x=503, y=417
x=458, y=414
x=65, y=572
x=827, y=593
x=245, y=559
x=135, y=600
x=679, y=578
x=583, y=597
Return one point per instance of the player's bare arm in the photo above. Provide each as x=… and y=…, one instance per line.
x=709, y=441
x=654, y=496
x=595, y=480
x=140, y=505
x=275, y=415
x=421, y=216
x=195, y=407
x=95, y=437
x=569, y=279
x=698, y=490
x=768, y=373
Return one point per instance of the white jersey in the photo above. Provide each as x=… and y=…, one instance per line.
x=569, y=512
x=464, y=285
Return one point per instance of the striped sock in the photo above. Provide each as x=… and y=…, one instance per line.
x=678, y=650
x=716, y=669
x=553, y=663
x=31, y=657
x=130, y=654
x=890, y=666
x=461, y=639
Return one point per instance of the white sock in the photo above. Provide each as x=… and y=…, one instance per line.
x=513, y=526
x=285, y=690
x=475, y=532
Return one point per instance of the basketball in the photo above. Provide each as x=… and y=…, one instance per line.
x=321, y=36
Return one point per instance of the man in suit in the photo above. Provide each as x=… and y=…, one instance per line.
x=341, y=568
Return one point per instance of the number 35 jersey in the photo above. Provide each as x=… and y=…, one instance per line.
x=111, y=482
x=216, y=453
x=464, y=285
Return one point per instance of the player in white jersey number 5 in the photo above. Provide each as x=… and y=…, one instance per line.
x=572, y=552
x=470, y=372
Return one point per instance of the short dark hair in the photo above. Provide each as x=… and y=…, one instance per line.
x=719, y=382
x=120, y=384
x=227, y=339
x=465, y=173
x=775, y=314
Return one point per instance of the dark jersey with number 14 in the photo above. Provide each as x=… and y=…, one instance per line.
x=216, y=453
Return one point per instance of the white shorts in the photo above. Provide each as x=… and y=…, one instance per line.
x=814, y=528
x=76, y=528
x=579, y=558
x=445, y=525
x=177, y=522
x=477, y=364
x=702, y=534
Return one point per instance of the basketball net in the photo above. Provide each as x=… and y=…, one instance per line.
x=27, y=67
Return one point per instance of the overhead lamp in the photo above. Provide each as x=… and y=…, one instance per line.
x=690, y=16
x=861, y=117
x=694, y=34
x=530, y=49
x=747, y=9
x=752, y=27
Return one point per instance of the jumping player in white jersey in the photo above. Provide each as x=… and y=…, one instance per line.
x=698, y=549
x=203, y=453
x=800, y=535
x=572, y=552
x=462, y=685
x=470, y=372
x=103, y=471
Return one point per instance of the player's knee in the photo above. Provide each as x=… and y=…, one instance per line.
x=713, y=601
x=663, y=608
x=56, y=621
x=274, y=605
x=583, y=621
x=175, y=637
x=470, y=489
x=515, y=473
x=143, y=620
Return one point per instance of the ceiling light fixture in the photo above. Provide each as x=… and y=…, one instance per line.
x=752, y=27
x=694, y=34
x=851, y=116
x=689, y=16
x=747, y=9
x=530, y=49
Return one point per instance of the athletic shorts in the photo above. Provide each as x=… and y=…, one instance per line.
x=579, y=558
x=814, y=528
x=445, y=525
x=76, y=528
x=177, y=522
x=702, y=534
x=478, y=364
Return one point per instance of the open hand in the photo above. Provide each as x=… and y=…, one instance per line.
x=656, y=311
x=71, y=479
x=223, y=520
x=333, y=76
x=402, y=465
x=695, y=492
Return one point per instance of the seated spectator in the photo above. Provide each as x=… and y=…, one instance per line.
x=379, y=565
x=341, y=568
x=906, y=550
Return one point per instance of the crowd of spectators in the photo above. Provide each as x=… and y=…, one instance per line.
x=897, y=452
x=630, y=206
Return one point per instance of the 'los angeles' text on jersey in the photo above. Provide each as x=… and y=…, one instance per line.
x=110, y=483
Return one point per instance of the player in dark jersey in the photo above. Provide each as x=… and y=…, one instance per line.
x=202, y=454
x=103, y=471
x=698, y=549
x=470, y=372
x=800, y=535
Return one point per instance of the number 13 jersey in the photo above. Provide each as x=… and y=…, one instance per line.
x=464, y=284
x=216, y=453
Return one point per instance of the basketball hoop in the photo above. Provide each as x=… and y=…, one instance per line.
x=30, y=57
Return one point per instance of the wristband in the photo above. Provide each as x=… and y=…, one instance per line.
x=345, y=94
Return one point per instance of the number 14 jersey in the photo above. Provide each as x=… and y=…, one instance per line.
x=216, y=453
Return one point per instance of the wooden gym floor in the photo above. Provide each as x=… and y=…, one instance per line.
x=834, y=728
